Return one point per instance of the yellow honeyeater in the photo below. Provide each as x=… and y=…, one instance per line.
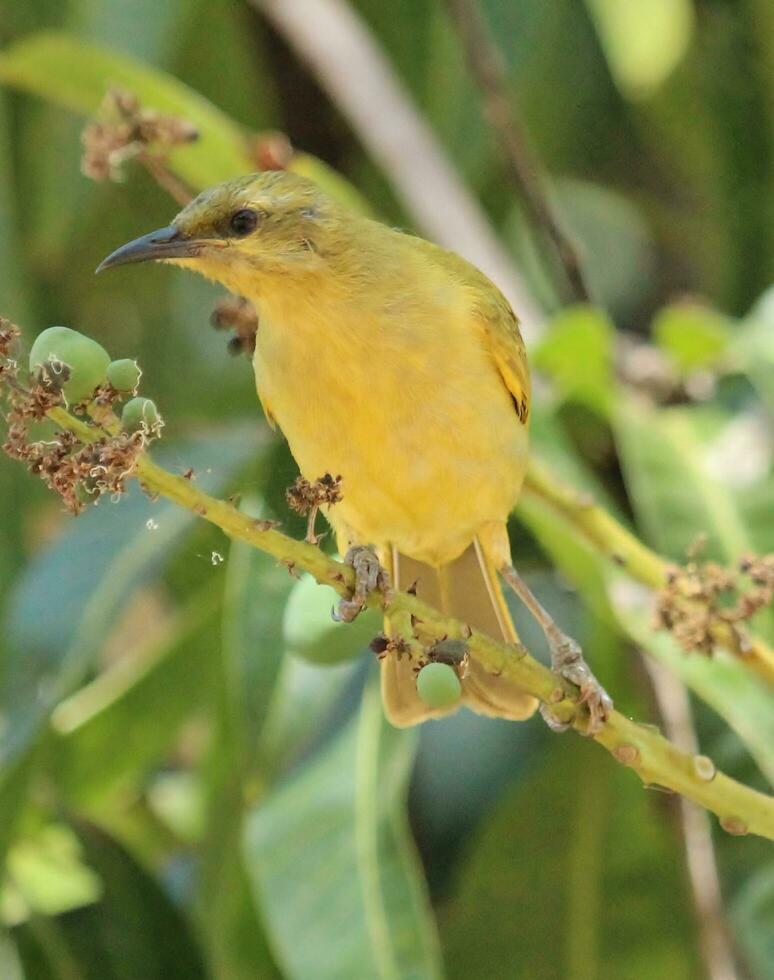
x=395, y=364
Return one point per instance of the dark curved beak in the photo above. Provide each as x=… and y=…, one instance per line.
x=166, y=243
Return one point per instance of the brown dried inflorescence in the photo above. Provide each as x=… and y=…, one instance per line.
x=237, y=314
x=271, y=150
x=306, y=497
x=383, y=645
x=124, y=130
x=701, y=596
x=303, y=495
x=78, y=472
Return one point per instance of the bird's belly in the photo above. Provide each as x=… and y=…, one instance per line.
x=428, y=448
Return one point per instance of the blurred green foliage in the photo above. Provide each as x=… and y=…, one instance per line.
x=195, y=776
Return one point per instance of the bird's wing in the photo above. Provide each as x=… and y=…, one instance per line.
x=503, y=339
x=493, y=315
x=267, y=412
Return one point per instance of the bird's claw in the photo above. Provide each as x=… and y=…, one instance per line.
x=551, y=720
x=369, y=577
x=567, y=661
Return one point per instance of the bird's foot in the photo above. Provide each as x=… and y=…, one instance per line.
x=567, y=661
x=369, y=577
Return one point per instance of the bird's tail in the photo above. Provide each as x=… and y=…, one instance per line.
x=468, y=590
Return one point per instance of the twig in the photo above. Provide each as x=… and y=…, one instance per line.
x=655, y=760
x=352, y=68
x=714, y=939
x=604, y=533
x=488, y=70
x=166, y=179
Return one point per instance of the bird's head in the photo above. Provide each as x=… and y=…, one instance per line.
x=263, y=223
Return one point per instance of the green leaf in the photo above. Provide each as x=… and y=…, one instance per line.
x=47, y=876
x=676, y=494
x=76, y=75
x=669, y=501
x=578, y=355
x=248, y=664
x=677, y=489
x=14, y=299
x=725, y=684
x=305, y=698
x=577, y=874
x=311, y=633
x=610, y=234
x=107, y=734
x=754, y=346
x=331, y=860
x=643, y=43
x=64, y=606
x=134, y=933
x=694, y=336
x=752, y=913
x=257, y=589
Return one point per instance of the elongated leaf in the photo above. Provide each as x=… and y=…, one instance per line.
x=677, y=491
x=622, y=604
x=330, y=858
x=76, y=75
x=13, y=301
x=133, y=933
x=311, y=633
x=63, y=607
x=249, y=661
x=109, y=732
x=752, y=912
x=577, y=874
x=257, y=589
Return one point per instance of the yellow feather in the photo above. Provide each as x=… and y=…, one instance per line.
x=398, y=366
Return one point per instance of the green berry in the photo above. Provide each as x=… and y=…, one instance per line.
x=124, y=375
x=139, y=413
x=438, y=685
x=86, y=359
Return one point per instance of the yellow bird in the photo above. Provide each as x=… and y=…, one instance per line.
x=398, y=365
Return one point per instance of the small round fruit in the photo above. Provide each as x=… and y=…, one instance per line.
x=438, y=685
x=86, y=359
x=124, y=375
x=139, y=413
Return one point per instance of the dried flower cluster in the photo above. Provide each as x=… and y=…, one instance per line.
x=78, y=472
x=125, y=131
x=237, y=314
x=306, y=497
x=701, y=596
x=271, y=150
x=383, y=645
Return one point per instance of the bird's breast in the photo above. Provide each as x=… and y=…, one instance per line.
x=409, y=409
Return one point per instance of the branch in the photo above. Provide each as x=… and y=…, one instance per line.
x=489, y=73
x=349, y=64
x=604, y=533
x=655, y=760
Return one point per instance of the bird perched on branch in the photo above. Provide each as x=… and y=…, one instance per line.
x=399, y=366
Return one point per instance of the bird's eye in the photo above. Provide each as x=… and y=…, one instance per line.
x=243, y=222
